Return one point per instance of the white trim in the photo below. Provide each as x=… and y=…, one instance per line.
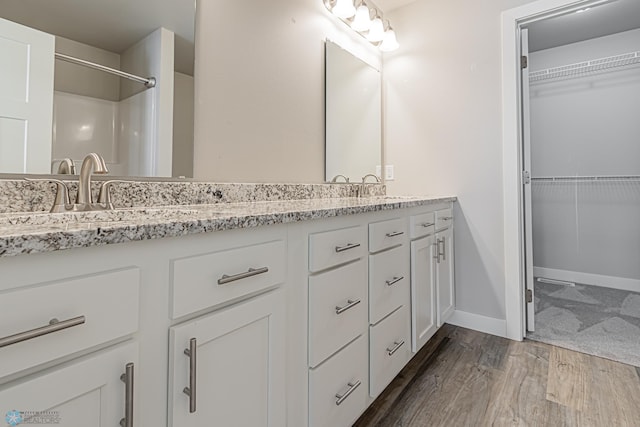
x=511, y=159
x=477, y=322
x=622, y=283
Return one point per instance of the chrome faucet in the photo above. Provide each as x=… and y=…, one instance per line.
x=66, y=167
x=363, y=187
x=335, y=179
x=92, y=163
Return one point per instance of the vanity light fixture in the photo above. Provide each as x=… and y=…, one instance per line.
x=360, y=21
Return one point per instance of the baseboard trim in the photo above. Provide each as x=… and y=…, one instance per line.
x=477, y=322
x=621, y=283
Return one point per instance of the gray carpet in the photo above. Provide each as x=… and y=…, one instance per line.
x=599, y=321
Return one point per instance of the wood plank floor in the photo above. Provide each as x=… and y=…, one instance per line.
x=467, y=378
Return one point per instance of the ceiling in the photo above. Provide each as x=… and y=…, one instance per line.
x=113, y=25
x=388, y=5
x=601, y=20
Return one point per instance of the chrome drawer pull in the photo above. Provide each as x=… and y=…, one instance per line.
x=394, y=280
x=446, y=218
x=127, y=379
x=396, y=346
x=444, y=257
x=53, y=326
x=350, y=304
x=395, y=233
x=347, y=247
x=251, y=272
x=427, y=224
x=191, y=390
x=352, y=388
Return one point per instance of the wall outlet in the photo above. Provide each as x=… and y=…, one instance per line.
x=379, y=171
x=389, y=174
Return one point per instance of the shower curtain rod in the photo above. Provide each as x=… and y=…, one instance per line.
x=594, y=178
x=148, y=82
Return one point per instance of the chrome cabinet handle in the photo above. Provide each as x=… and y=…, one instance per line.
x=249, y=273
x=191, y=390
x=395, y=233
x=352, y=388
x=446, y=218
x=444, y=257
x=427, y=224
x=396, y=346
x=350, y=304
x=127, y=379
x=394, y=280
x=53, y=326
x=347, y=247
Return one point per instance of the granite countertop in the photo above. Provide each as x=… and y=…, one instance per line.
x=29, y=233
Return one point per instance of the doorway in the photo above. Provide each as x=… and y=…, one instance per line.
x=580, y=86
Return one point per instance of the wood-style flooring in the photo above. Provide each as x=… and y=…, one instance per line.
x=467, y=378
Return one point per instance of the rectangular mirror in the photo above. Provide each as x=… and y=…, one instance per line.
x=139, y=131
x=353, y=116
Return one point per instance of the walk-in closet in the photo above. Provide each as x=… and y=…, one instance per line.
x=584, y=154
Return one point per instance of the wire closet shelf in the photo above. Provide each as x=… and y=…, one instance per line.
x=581, y=69
x=594, y=178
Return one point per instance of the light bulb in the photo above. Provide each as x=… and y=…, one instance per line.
x=344, y=9
x=376, y=30
x=362, y=21
x=389, y=41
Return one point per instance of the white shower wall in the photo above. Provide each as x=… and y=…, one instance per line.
x=120, y=131
x=587, y=232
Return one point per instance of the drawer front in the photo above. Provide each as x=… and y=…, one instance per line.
x=337, y=309
x=422, y=224
x=386, y=234
x=96, y=309
x=336, y=247
x=390, y=349
x=346, y=372
x=444, y=219
x=388, y=282
x=208, y=280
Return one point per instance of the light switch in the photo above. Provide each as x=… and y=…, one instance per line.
x=389, y=173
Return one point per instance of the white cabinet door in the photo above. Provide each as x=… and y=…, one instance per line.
x=26, y=98
x=234, y=367
x=88, y=392
x=423, y=293
x=445, y=288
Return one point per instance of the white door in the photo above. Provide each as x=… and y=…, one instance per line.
x=233, y=372
x=26, y=98
x=88, y=393
x=423, y=292
x=444, y=274
x=526, y=180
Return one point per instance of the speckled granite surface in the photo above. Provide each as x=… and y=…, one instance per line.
x=25, y=233
x=37, y=196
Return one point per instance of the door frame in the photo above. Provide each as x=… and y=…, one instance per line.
x=514, y=242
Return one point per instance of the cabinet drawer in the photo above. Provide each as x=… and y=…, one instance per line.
x=444, y=219
x=342, y=379
x=337, y=309
x=388, y=282
x=204, y=281
x=336, y=247
x=422, y=224
x=101, y=307
x=390, y=349
x=386, y=234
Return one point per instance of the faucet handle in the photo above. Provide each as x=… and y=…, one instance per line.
x=62, y=201
x=104, y=197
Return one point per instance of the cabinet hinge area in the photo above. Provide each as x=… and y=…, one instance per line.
x=529, y=294
x=524, y=62
x=526, y=177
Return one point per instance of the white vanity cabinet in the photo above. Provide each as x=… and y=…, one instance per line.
x=444, y=271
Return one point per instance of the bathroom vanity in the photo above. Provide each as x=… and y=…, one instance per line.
x=269, y=313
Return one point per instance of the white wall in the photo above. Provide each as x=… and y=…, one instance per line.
x=260, y=88
x=582, y=127
x=444, y=134
x=182, y=125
